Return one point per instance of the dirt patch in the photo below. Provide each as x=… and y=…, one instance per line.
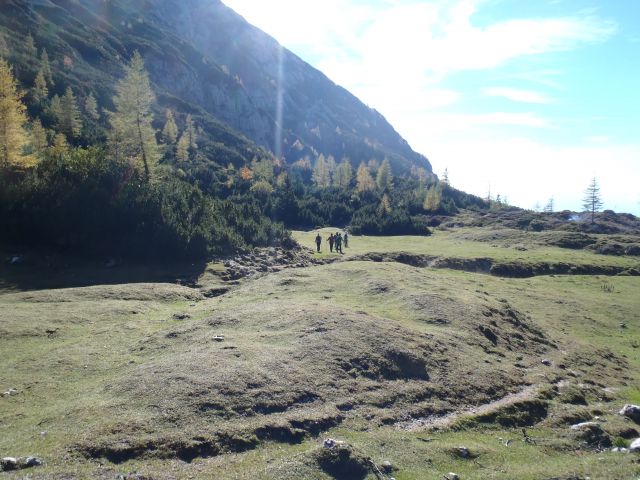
x=136, y=291
x=500, y=269
x=171, y=447
x=342, y=462
x=523, y=413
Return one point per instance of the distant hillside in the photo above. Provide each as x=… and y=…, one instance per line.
x=203, y=59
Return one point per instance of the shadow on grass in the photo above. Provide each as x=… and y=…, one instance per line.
x=38, y=270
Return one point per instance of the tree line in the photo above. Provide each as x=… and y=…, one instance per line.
x=76, y=174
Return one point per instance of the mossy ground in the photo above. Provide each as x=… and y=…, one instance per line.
x=361, y=351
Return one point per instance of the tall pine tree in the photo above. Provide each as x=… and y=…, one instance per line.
x=364, y=180
x=70, y=122
x=45, y=66
x=321, y=172
x=170, y=130
x=344, y=172
x=384, y=176
x=30, y=46
x=132, y=137
x=592, y=201
x=40, y=91
x=190, y=132
x=39, y=141
x=91, y=108
x=12, y=119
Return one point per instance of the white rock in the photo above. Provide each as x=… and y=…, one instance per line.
x=546, y=362
x=631, y=411
x=464, y=452
x=8, y=463
x=32, y=462
x=453, y=476
x=635, y=445
x=580, y=426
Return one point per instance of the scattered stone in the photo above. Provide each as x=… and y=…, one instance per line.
x=8, y=463
x=387, y=466
x=592, y=434
x=181, y=316
x=623, y=325
x=632, y=412
x=330, y=443
x=463, y=452
x=628, y=433
x=30, y=462
x=584, y=425
x=12, y=463
x=619, y=449
x=218, y=338
x=215, y=291
x=9, y=393
x=635, y=445
x=452, y=476
x=132, y=476
x=342, y=461
x=546, y=362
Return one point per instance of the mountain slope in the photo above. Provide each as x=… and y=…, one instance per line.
x=205, y=59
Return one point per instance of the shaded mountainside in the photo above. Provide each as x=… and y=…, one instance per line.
x=205, y=59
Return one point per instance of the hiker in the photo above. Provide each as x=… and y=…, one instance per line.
x=346, y=239
x=318, y=241
x=331, y=239
x=338, y=243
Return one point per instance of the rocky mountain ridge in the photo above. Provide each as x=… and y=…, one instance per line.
x=205, y=59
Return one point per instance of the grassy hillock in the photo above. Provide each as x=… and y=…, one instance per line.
x=403, y=362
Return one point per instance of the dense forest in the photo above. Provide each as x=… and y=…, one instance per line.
x=128, y=178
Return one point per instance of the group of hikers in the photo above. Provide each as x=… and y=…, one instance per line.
x=336, y=241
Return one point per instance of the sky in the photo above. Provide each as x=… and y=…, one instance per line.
x=526, y=99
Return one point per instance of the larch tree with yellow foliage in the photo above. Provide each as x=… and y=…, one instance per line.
x=13, y=137
x=364, y=180
x=132, y=137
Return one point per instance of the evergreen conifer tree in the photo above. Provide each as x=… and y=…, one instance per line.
x=385, y=206
x=182, y=148
x=70, y=121
x=12, y=119
x=321, y=173
x=30, y=45
x=343, y=175
x=4, y=48
x=91, y=108
x=45, y=66
x=39, y=141
x=331, y=167
x=170, y=130
x=384, y=176
x=54, y=110
x=132, y=137
x=548, y=208
x=445, y=176
x=40, y=91
x=592, y=201
x=190, y=132
x=364, y=180
x=433, y=200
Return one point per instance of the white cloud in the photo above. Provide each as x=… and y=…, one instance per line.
x=517, y=95
x=530, y=172
x=399, y=57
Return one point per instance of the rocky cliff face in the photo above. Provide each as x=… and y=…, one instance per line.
x=204, y=57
